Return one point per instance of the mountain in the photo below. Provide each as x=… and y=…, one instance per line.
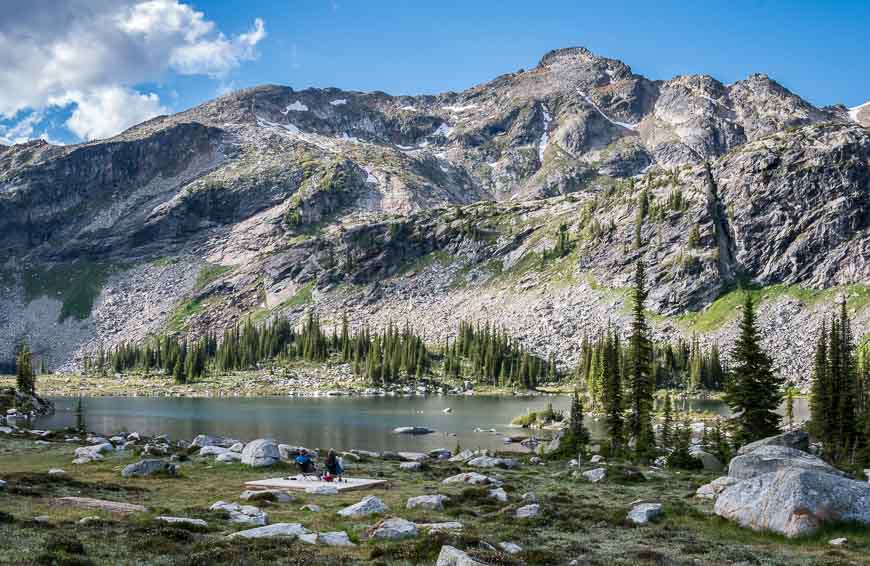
x=269, y=201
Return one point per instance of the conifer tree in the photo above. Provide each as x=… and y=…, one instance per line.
x=612, y=396
x=642, y=385
x=667, y=423
x=24, y=378
x=754, y=392
x=579, y=432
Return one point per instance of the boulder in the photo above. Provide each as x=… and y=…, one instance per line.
x=133, y=437
x=311, y=507
x=212, y=450
x=337, y=538
x=463, y=456
x=772, y=458
x=261, y=453
x=642, y=513
x=528, y=511
x=413, y=456
x=595, y=475
x=2, y=485
x=530, y=496
x=796, y=440
x=556, y=443
x=510, y=547
x=238, y=447
x=499, y=494
x=411, y=466
x=246, y=514
x=490, y=462
x=714, y=488
x=472, y=478
x=203, y=440
x=229, y=457
x=794, y=501
x=430, y=502
x=148, y=468
x=183, y=520
x=710, y=462
x=56, y=473
x=597, y=459
x=370, y=505
x=440, y=454
x=451, y=556
x=156, y=449
x=266, y=495
x=838, y=541
x=394, y=529
x=292, y=530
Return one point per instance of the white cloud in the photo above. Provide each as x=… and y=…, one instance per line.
x=106, y=111
x=21, y=131
x=219, y=56
x=92, y=52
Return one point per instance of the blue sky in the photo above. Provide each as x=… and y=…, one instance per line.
x=143, y=57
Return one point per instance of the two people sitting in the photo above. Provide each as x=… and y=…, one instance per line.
x=333, y=466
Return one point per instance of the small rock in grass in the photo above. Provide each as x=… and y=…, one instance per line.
x=842, y=541
x=370, y=505
x=595, y=475
x=56, y=473
x=528, y=511
x=311, y=507
x=90, y=519
x=439, y=527
x=411, y=466
x=394, y=529
x=229, y=457
x=642, y=514
x=499, y=494
x=430, y=502
x=148, y=468
x=510, y=547
x=266, y=495
x=472, y=478
x=337, y=538
x=246, y=514
x=211, y=450
x=452, y=556
x=597, y=459
x=292, y=530
x=237, y=447
x=182, y=520
x=43, y=519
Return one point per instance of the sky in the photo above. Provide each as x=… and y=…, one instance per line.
x=77, y=70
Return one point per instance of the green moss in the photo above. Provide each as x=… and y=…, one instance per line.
x=303, y=296
x=178, y=319
x=78, y=285
x=164, y=261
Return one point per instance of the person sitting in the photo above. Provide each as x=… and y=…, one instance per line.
x=333, y=465
x=306, y=465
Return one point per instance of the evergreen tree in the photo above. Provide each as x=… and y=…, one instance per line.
x=80, y=415
x=24, y=379
x=642, y=385
x=667, y=423
x=754, y=392
x=579, y=432
x=612, y=396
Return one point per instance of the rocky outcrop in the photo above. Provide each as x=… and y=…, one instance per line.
x=772, y=458
x=795, y=439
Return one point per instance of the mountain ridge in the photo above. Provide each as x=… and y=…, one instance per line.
x=288, y=190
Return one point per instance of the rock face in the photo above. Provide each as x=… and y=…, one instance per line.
x=261, y=453
x=148, y=468
x=796, y=440
x=772, y=458
x=794, y=501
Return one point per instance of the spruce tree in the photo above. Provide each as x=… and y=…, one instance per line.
x=642, y=385
x=668, y=423
x=579, y=433
x=612, y=394
x=754, y=392
x=820, y=401
x=24, y=378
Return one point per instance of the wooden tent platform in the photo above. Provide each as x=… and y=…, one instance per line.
x=298, y=483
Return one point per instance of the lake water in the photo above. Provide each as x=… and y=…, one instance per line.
x=326, y=422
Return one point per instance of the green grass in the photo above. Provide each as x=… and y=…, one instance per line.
x=725, y=308
x=77, y=285
x=164, y=261
x=178, y=319
x=209, y=273
x=303, y=296
x=425, y=261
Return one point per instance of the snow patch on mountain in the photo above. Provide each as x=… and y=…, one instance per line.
x=459, y=108
x=443, y=130
x=295, y=107
x=853, y=112
x=606, y=117
x=545, y=137
x=339, y=102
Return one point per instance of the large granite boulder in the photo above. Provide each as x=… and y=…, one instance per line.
x=261, y=453
x=490, y=462
x=796, y=439
x=772, y=458
x=394, y=528
x=148, y=468
x=794, y=501
x=430, y=502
